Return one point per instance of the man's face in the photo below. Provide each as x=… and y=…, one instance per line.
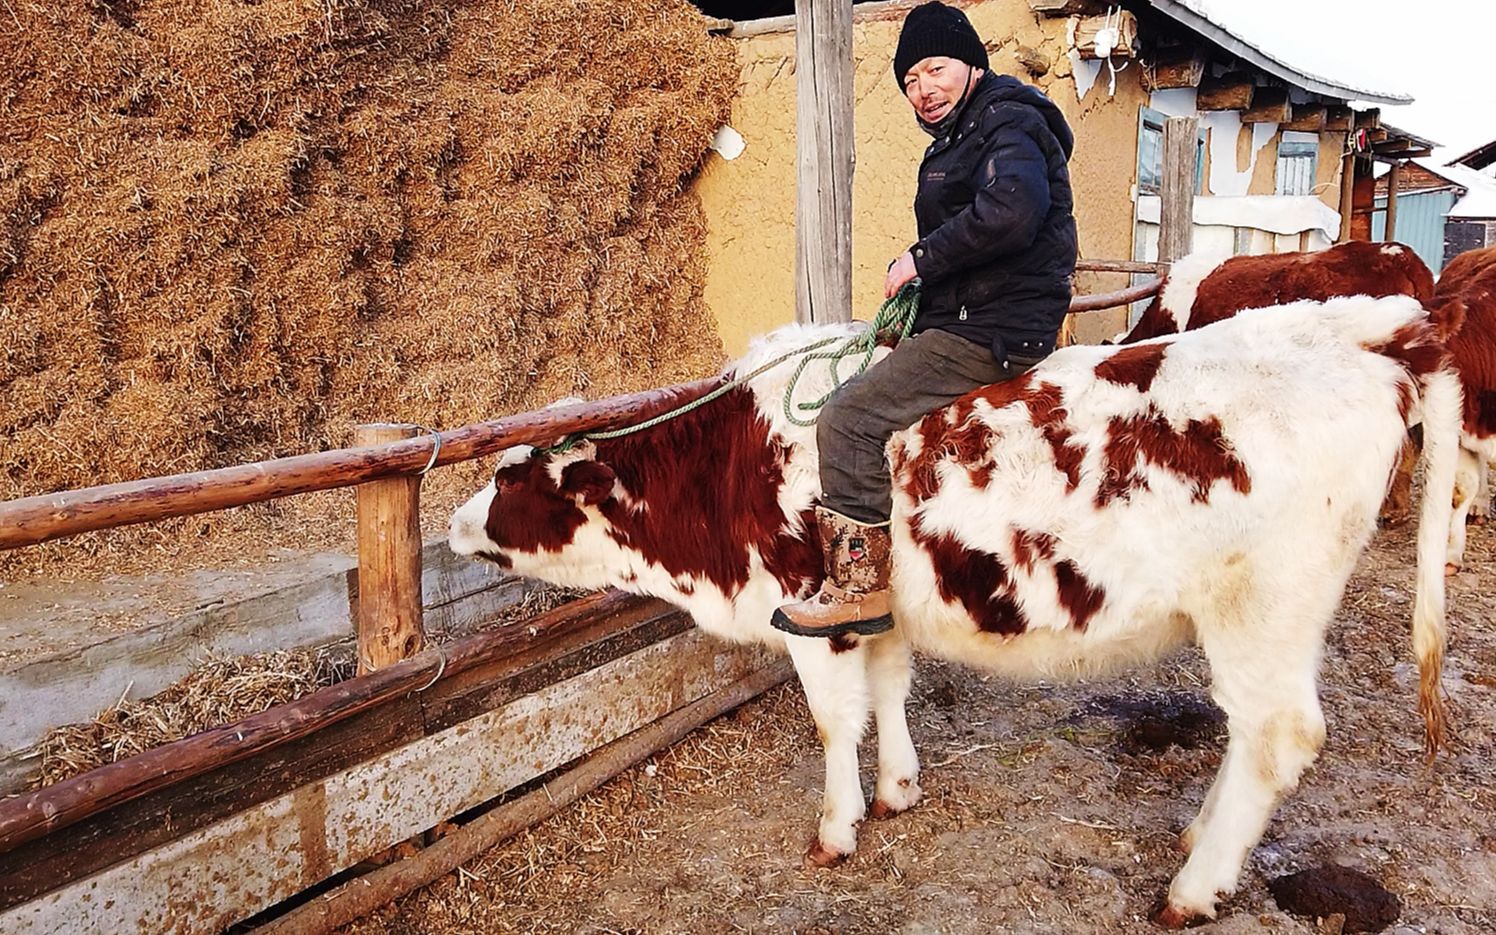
x=935, y=85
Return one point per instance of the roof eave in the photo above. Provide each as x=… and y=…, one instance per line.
x=1250, y=53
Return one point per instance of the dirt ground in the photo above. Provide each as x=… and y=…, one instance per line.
x=1048, y=809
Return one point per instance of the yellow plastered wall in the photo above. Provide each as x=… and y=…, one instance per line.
x=750, y=201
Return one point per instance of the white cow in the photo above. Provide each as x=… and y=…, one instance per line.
x=1215, y=487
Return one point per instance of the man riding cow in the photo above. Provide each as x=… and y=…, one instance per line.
x=995, y=254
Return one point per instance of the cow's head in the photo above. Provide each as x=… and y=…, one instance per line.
x=539, y=514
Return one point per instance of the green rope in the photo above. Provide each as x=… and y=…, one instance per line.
x=895, y=317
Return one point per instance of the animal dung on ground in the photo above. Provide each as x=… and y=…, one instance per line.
x=1156, y=722
x=1321, y=892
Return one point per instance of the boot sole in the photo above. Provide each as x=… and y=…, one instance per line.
x=869, y=627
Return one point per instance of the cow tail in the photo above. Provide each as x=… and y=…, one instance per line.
x=1442, y=412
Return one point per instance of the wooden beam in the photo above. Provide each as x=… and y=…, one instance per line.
x=1119, y=266
x=31, y=520
x=1306, y=118
x=1104, y=300
x=1369, y=119
x=1269, y=105
x=1067, y=7
x=1177, y=192
x=388, y=514
x=1338, y=118
x=1122, y=33
x=1347, y=192
x=1228, y=92
x=824, y=153
x=1393, y=177
x=1399, y=156
x=1376, y=135
x=1176, y=67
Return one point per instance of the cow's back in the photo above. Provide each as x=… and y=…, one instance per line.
x=1201, y=289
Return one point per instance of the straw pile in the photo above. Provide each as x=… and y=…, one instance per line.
x=219, y=691
x=222, y=690
x=231, y=231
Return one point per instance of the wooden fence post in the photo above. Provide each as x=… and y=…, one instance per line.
x=1393, y=177
x=824, y=154
x=1347, y=195
x=1176, y=230
x=389, y=559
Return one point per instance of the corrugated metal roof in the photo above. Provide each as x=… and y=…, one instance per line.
x=1195, y=14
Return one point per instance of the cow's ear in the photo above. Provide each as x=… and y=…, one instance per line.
x=590, y=482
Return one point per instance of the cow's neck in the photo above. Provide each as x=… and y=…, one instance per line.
x=713, y=505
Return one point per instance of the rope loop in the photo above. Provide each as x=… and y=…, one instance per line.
x=895, y=319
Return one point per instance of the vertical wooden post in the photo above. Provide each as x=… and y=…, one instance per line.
x=1176, y=231
x=1347, y=195
x=824, y=155
x=1392, y=179
x=389, y=559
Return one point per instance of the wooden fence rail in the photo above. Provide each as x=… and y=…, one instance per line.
x=33, y=520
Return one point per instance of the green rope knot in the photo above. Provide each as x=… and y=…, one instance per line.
x=895, y=319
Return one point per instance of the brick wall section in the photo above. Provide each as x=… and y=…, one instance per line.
x=1414, y=178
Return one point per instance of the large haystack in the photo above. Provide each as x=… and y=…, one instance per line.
x=229, y=231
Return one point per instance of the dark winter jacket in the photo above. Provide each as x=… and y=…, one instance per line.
x=994, y=211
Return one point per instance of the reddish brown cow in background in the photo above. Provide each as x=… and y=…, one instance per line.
x=1202, y=289
x=1465, y=303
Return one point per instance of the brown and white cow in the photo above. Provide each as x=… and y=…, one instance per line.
x=1204, y=288
x=1215, y=487
x=1465, y=300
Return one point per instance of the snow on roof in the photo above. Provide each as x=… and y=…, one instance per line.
x=1479, y=200
x=1210, y=19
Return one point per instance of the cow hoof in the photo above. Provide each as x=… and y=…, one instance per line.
x=1451, y=569
x=882, y=811
x=822, y=857
x=1475, y=519
x=1172, y=917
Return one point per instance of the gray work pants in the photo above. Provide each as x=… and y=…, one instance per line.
x=919, y=376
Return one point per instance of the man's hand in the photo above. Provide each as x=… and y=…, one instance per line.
x=899, y=273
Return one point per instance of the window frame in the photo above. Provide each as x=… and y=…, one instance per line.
x=1296, y=153
x=1151, y=121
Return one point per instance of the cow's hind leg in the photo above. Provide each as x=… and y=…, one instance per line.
x=1267, y=688
x=1480, y=510
x=889, y=667
x=834, y=677
x=1399, y=503
x=1467, y=484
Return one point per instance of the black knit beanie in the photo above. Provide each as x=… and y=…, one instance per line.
x=936, y=29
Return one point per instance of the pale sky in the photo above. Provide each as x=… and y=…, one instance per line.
x=1442, y=52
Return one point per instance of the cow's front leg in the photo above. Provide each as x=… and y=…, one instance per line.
x=834, y=677
x=889, y=666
